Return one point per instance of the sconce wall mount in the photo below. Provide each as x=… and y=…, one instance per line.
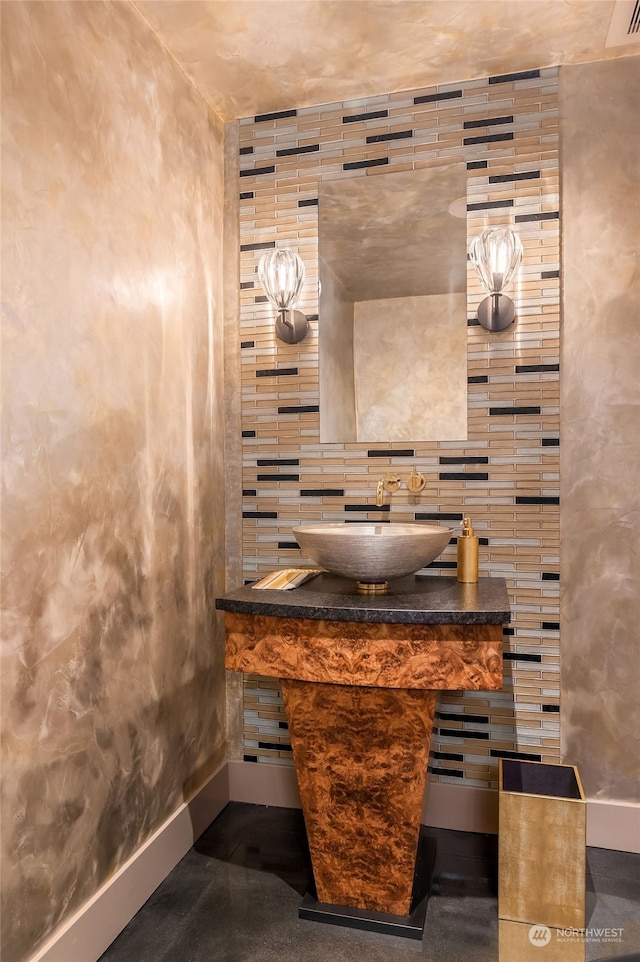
x=496, y=255
x=281, y=274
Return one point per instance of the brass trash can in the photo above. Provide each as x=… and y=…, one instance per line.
x=541, y=857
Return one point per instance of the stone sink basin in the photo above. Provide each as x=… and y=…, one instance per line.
x=373, y=553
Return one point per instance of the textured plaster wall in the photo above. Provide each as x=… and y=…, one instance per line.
x=112, y=502
x=600, y=413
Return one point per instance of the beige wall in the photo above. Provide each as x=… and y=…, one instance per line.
x=600, y=414
x=112, y=677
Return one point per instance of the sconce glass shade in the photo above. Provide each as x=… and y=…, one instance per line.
x=496, y=255
x=281, y=274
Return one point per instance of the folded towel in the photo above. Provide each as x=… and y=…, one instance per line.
x=287, y=578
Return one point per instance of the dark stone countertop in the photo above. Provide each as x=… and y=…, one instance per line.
x=414, y=600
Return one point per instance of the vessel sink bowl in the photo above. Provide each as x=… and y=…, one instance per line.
x=373, y=553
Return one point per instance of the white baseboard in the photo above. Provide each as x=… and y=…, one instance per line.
x=610, y=824
x=92, y=929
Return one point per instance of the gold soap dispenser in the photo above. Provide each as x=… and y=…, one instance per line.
x=467, y=553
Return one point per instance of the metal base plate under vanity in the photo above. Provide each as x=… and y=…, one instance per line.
x=407, y=926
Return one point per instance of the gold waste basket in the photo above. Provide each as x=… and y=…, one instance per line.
x=541, y=851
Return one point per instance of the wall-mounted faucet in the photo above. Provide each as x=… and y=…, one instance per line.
x=390, y=483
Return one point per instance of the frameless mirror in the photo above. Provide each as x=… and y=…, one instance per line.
x=393, y=307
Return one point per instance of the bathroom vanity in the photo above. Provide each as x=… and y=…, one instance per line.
x=360, y=677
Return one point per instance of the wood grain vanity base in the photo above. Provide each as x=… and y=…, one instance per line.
x=361, y=761
x=359, y=679
x=442, y=657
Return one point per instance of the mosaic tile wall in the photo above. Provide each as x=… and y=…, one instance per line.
x=505, y=129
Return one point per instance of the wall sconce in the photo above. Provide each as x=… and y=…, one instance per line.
x=496, y=254
x=281, y=274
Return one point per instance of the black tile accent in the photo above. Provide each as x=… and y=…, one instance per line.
x=275, y=115
x=478, y=379
x=276, y=462
x=260, y=299
x=442, y=564
x=247, y=344
x=508, y=77
x=275, y=746
x=521, y=656
x=522, y=499
x=322, y=493
x=389, y=453
x=256, y=171
x=477, y=165
x=432, y=98
x=258, y=246
x=545, y=215
x=463, y=476
x=396, y=135
x=491, y=204
x=508, y=631
x=278, y=477
x=366, y=507
x=449, y=756
x=518, y=756
x=312, y=317
x=250, y=758
x=246, y=150
x=291, y=151
x=550, y=576
x=549, y=275
x=507, y=178
x=460, y=716
x=249, y=492
x=488, y=122
x=463, y=733
x=378, y=520
x=283, y=725
x=259, y=514
x=454, y=772
x=487, y=139
x=550, y=626
x=445, y=459
x=309, y=202
x=550, y=442
x=248, y=434
x=550, y=709
x=299, y=409
x=286, y=545
x=371, y=115
x=359, y=164
x=536, y=368
x=247, y=285
x=276, y=371
x=523, y=409
x=521, y=756
x=247, y=195
x=438, y=516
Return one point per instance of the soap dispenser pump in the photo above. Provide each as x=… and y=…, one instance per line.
x=467, y=553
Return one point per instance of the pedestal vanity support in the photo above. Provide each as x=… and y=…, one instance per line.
x=360, y=699
x=361, y=761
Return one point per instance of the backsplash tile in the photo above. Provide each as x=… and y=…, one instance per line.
x=513, y=389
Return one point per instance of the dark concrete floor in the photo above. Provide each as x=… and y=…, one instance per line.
x=234, y=898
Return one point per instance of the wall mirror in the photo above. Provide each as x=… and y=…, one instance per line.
x=393, y=306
